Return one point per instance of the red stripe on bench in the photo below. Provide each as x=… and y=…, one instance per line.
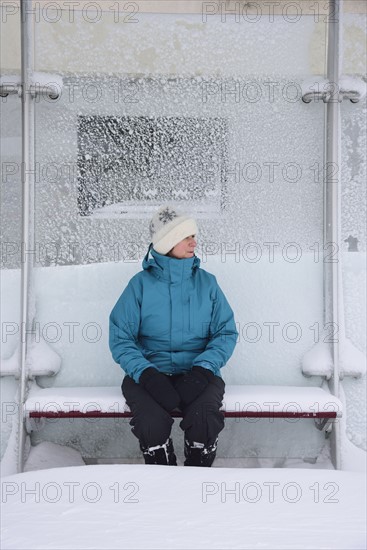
x=227, y=414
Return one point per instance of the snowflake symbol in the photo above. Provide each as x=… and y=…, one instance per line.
x=167, y=215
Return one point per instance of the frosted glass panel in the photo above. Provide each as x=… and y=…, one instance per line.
x=353, y=225
x=11, y=227
x=11, y=189
x=353, y=243
x=175, y=108
x=262, y=178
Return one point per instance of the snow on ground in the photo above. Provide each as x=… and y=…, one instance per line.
x=149, y=507
x=49, y=455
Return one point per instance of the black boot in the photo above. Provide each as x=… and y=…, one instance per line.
x=198, y=455
x=160, y=454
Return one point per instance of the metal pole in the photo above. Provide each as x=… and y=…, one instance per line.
x=28, y=166
x=332, y=191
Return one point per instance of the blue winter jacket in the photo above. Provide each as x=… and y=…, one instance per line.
x=172, y=316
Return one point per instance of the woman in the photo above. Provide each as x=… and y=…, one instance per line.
x=171, y=331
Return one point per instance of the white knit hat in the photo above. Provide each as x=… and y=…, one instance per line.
x=169, y=227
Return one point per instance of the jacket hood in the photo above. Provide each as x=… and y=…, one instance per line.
x=169, y=269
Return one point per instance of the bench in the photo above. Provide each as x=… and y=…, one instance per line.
x=239, y=402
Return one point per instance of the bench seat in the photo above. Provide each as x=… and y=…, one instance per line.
x=239, y=402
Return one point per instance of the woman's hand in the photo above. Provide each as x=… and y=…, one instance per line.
x=160, y=388
x=192, y=384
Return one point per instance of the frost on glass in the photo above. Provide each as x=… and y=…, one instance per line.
x=11, y=189
x=354, y=198
x=127, y=162
x=176, y=69
x=254, y=166
x=353, y=257
x=10, y=233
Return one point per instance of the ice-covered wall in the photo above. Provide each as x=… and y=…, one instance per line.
x=273, y=173
x=278, y=310
x=273, y=163
x=250, y=77
x=72, y=308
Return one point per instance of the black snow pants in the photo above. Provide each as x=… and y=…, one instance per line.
x=152, y=425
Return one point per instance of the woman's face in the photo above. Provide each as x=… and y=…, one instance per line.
x=184, y=249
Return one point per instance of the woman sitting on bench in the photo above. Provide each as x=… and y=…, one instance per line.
x=171, y=331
